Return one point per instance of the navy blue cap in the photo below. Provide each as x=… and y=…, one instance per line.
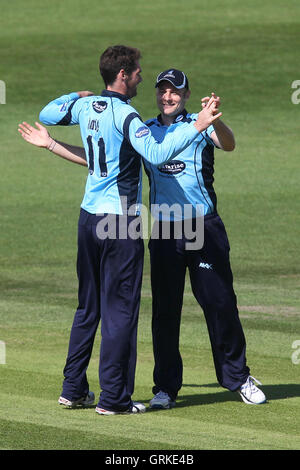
x=176, y=77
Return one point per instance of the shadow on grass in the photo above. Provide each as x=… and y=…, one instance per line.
x=272, y=392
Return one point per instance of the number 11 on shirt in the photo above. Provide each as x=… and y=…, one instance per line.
x=101, y=156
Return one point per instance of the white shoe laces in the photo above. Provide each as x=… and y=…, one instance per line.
x=250, y=384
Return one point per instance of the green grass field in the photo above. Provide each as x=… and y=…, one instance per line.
x=247, y=52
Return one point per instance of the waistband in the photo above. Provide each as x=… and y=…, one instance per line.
x=86, y=218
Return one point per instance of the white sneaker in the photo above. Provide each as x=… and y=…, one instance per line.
x=136, y=408
x=83, y=401
x=161, y=401
x=251, y=394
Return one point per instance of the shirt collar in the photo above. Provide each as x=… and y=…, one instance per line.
x=179, y=117
x=114, y=94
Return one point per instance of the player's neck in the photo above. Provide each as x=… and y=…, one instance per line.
x=119, y=86
x=117, y=89
x=167, y=120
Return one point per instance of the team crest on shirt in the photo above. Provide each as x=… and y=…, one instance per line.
x=99, y=106
x=142, y=132
x=172, y=168
x=179, y=118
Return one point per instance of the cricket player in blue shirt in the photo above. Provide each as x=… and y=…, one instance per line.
x=110, y=268
x=187, y=182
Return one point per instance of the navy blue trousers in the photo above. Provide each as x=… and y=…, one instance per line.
x=212, y=285
x=110, y=276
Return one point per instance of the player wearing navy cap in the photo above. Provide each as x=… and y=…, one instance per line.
x=110, y=268
x=189, y=183
x=176, y=77
x=186, y=182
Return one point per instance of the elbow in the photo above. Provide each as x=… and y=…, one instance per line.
x=229, y=147
x=43, y=117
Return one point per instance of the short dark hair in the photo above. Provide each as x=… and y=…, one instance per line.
x=114, y=59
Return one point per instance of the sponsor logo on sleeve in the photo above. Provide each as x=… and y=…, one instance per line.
x=99, y=106
x=142, y=132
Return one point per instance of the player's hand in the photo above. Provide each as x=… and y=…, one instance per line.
x=39, y=137
x=209, y=114
x=206, y=99
x=83, y=94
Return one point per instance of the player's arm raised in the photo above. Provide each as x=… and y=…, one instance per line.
x=209, y=115
x=222, y=135
x=64, y=110
x=40, y=137
x=174, y=142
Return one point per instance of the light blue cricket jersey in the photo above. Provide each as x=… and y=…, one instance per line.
x=114, y=138
x=186, y=180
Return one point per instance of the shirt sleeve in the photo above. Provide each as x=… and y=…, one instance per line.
x=157, y=153
x=63, y=111
x=207, y=133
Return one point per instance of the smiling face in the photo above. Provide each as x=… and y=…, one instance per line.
x=171, y=100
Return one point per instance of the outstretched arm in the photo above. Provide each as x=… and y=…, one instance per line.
x=40, y=137
x=64, y=110
x=157, y=153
